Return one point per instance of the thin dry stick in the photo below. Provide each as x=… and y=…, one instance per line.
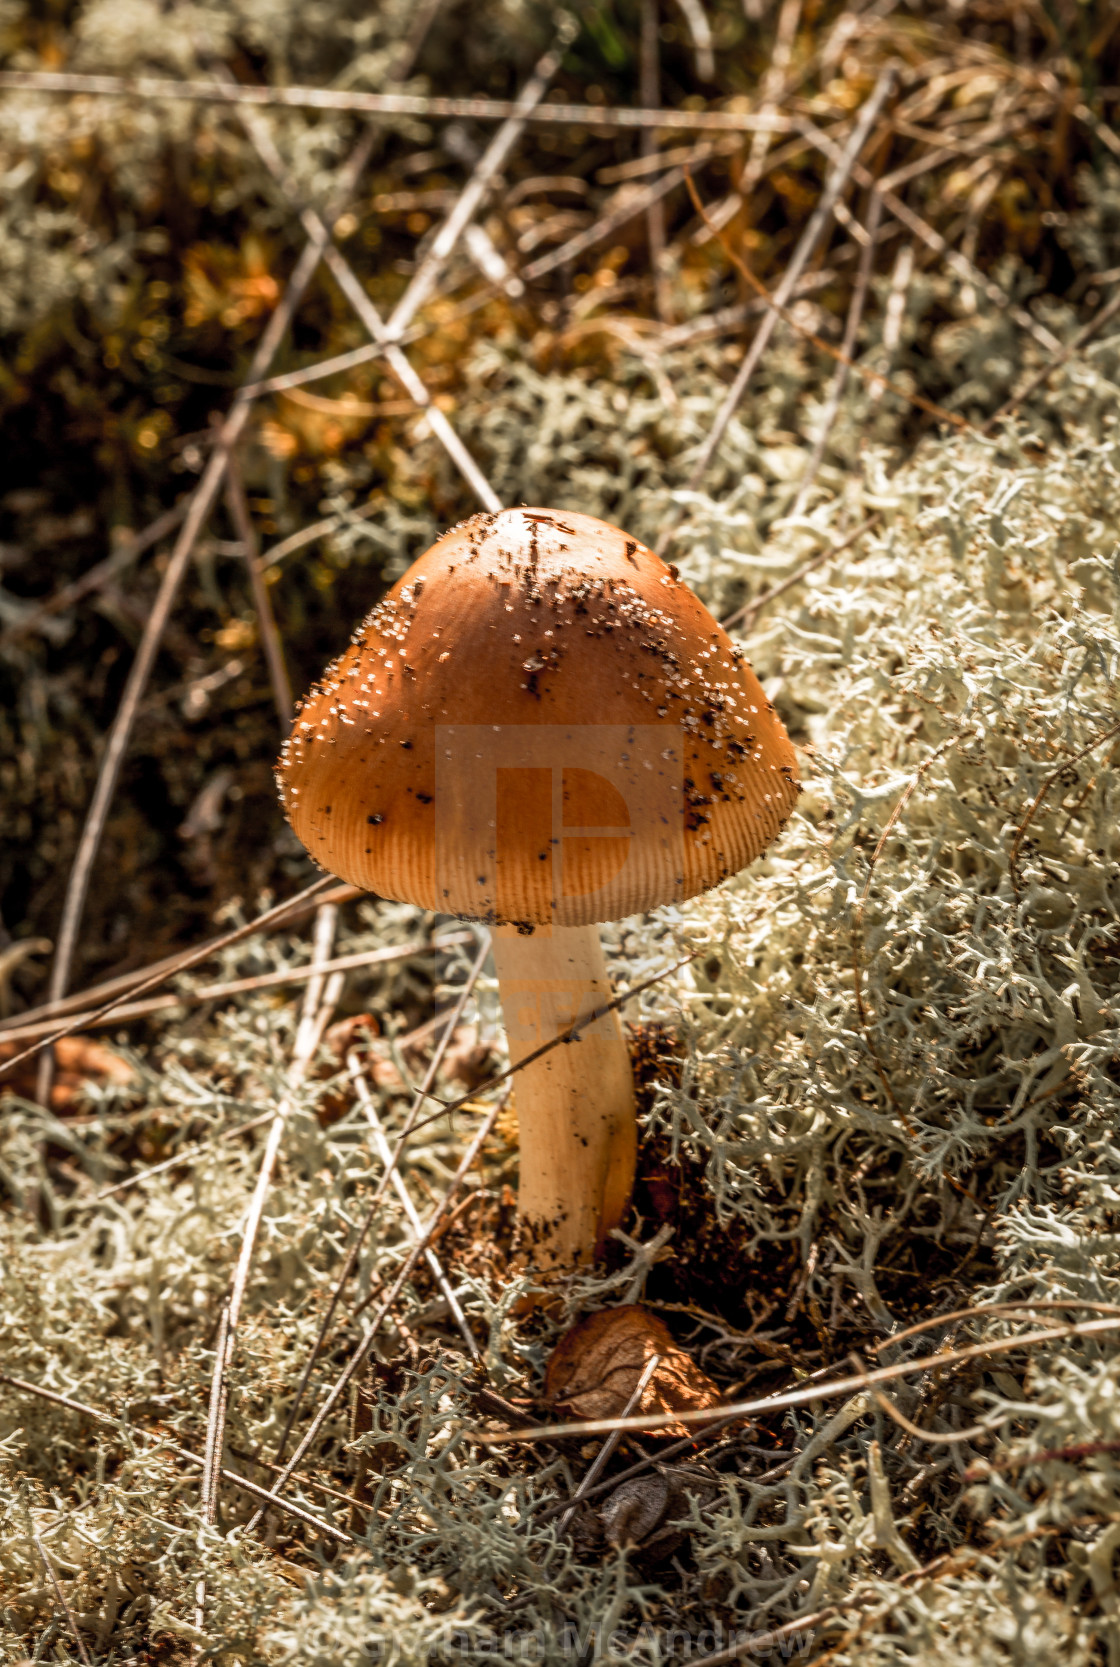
x=425, y=279
x=470, y=200
x=847, y=348
x=192, y=1151
x=815, y=1392
x=396, y=359
x=633, y=204
x=389, y=104
x=212, y=1459
x=1014, y=1307
x=655, y=212
x=201, y=503
x=894, y=315
x=184, y=1156
x=307, y=1037
x=368, y=1335
x=422, y=19
x=449, y=1021
x=61, y=1595
x=834, y=185
x=262, y=603
x=235, y=987
x=651, y=1459
x=936, y=1437
x=934, y=240
x=872, y=377
x=595, y=1468
x=773, y=86
x=1085, y=335
x=410, y=1210
x=858, y=915
x=101, y=573
x=726, y=318
x=983, y=1468
x=574, y=1030
x=276, y=918
x=745, y=616
x=167, y=969
x=183, y=1453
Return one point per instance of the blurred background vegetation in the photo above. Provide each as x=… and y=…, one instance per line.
x=143, y=248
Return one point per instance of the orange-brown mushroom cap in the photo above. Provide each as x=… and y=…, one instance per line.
x=538, y=723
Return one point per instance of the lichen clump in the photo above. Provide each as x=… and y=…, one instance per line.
x=900, y=1040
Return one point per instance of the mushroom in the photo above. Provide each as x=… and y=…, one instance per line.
x=541, y=727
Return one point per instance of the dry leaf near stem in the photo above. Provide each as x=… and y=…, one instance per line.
x=595, y=1367
x=79, y=1060
x=469, y=1059
x=360, y=1034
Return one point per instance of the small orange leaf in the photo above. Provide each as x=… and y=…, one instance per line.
x=78, y=1060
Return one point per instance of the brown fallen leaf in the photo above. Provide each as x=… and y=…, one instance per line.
x=78, y=1060
x=468, y=1060
x=595, y=1367
x=360, y=1034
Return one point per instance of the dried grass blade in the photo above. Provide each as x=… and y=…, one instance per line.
x=1096, y=324
x=176, y=963
x=837, y=180
x=99, y=574
x=307, y=1037
x=773, y=85
x=183, y=1453
x=61, y=1595
x=443, y=245
x=847, y=349
x=745, y=615
x=262, y=603
x=569, y=1035
x=197, y=512
x=212, y=1455
x=384, y=1152
x=934, y=240
x=650, y=72
x=449, y=1021
x=235, y=987
x=815, y=1392
x=596, y=1466
x=146, y=87
x=634, y=204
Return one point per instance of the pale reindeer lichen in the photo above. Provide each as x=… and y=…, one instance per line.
x=920, y=1055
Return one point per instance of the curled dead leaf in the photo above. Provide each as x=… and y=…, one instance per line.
x=594, y=1369
x=78, y=1060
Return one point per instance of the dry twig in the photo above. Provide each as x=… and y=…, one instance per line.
x=173, y=964
x=853, y=1385
x=61, y=1595
x=388, y=104
x=307, y=1039
x=449, y=1021
x=124, y=1428
x=266, y=619
x=197, y=512
x=596, y=1466
x=374, y=1326
x=122, y=1012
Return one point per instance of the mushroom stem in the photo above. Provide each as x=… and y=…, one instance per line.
x=575, y=1105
